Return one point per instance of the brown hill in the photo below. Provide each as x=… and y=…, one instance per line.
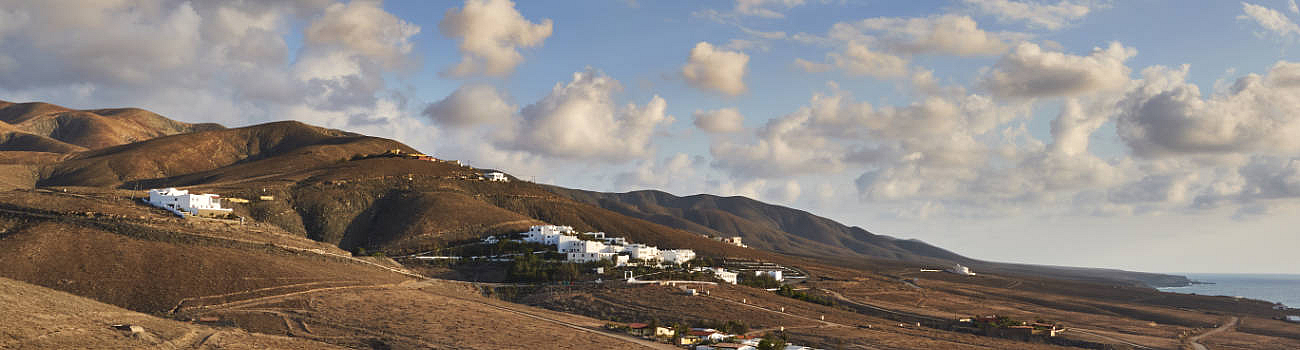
x=203, y=157
x=92, y=129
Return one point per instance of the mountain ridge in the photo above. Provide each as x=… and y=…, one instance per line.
x=806, y=234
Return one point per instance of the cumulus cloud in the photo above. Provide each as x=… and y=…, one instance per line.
x=1030, y=71
x=725, y=120
x=1035, y=14
x=491, y=33
x=364, y=27
x=881, y=47
x=469, y=105
x=229, y=60
x=1166, y=115
x=1272, y=20
x=1294, y=8
x=834, y=131
x=711, y=68
x=942, y=35
x=1263, y=178
x=580, y=119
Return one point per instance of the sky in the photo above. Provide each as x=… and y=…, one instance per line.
x=1153, y=135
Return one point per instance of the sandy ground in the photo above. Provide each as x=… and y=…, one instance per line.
x=41, y=318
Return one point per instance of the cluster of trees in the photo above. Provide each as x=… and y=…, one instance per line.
x=788, y=291
x=772, y=341
x=760, y=281
x=532, y=268
x=502, y=247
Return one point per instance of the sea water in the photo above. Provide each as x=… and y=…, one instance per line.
x=1275, y=288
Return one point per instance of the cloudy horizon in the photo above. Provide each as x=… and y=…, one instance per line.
x=1154, y=136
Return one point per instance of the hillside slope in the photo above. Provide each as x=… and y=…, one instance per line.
x=80, y=323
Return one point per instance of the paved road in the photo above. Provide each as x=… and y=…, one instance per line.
x=1195, y=341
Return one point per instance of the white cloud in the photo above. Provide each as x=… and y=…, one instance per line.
x=881, y=47
x=812, y=67
x=1072, y=128
x=1030, y=71
x=725, y=120
x=579, y=120
x=228, y=60
x=469, y=105
x=1165, y=115
x=1294, y=8
x=658, y=175
x=834, y=131
x=364, y=27
x=936, y=35
x=1035, y=14
x=491, y=33
x=765, y=8
x=710, y=68
x=1270, y=19
x=857, y=59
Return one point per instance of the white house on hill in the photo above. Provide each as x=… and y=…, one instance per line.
x=677, y=256
x=961, y=270
x=182, y=202
x=496, y=176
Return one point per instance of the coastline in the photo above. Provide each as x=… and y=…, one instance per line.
x=1274, y=288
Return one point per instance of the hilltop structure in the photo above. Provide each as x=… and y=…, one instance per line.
x=961, y=270
x=182, y=203
x=496, y=176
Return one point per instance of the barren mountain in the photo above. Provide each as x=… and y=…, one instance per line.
x=89, y=129
x=797, y=232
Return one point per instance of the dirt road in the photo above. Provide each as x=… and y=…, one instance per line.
x=1195, y=341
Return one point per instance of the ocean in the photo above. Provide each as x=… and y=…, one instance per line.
x=1283, y=289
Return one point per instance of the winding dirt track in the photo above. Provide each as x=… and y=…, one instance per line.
x=1195, y=341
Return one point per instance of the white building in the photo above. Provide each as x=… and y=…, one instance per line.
x=496, y=176
x=961, y=270
x=724, y=275
x=182, y=202
x=677, y=256
x=581, y=246
x=639, y=251
x=733, y=241
x=547, y=234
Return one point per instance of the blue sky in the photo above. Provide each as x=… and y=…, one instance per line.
x=1052, y=132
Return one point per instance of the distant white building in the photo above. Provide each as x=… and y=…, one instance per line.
x=182, y=202
x=677, y=256
x=961, y=270
x=547, y=234
x=581, y=246
x=724, y=275
x=1295, y=319
x=733, y=241
x=579, y=257
x=496, y=176
x=642, y=252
